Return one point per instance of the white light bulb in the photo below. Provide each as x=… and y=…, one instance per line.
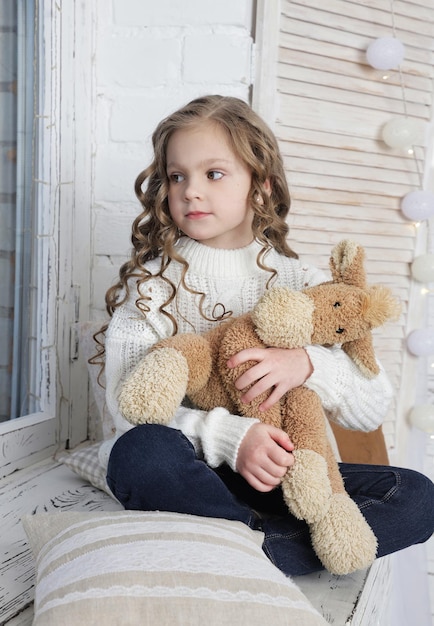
x=385, y=53
x=418, y=205
x=420, y=342
x=422, y=417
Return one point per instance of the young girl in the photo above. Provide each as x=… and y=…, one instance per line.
x=211, y=238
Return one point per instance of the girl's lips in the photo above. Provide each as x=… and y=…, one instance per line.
x=196, y=215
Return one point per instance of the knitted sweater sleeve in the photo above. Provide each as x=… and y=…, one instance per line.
x=216, y=435
x=350, y=399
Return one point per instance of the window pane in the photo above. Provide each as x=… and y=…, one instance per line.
x=8, y=106
x=16, y=113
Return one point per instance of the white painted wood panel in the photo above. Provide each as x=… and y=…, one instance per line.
x=25, y=618
x=66, y=192
x=345, y=23
x=374, y=603
x=25, y=441
x=62, y=195
x=298, y=83
x=358, y=599
x=344, y=180
x=295, y=61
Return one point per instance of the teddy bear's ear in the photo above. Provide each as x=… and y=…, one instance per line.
x=379, y=306
x=346, y=264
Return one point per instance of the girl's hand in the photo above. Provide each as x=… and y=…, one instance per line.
x=279, y=369
x=264, y=455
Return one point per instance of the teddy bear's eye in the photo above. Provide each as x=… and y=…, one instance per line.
x=340, y=330
x=336, y=304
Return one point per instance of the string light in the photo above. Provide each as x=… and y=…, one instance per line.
x=385, y=53
x=420, y=342
x=422, y=417
x=422, y=269
x=418, y=205
x=403, y=133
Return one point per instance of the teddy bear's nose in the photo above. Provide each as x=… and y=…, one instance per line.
x=340, y=330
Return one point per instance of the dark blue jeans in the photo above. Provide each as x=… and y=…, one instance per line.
x=154, y=467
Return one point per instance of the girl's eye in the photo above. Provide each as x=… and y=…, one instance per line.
x=176, y=178
x=214, y=175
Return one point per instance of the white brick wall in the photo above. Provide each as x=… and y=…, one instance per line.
x=150, y=58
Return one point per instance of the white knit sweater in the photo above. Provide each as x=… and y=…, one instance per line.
x=233, y=279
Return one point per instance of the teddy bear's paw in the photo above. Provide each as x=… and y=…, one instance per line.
x=343, y=540
x=306, y=486
x=155, y=388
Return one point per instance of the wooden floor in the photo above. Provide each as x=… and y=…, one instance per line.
x=355, y=600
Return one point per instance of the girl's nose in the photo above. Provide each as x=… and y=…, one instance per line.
x=192, y=190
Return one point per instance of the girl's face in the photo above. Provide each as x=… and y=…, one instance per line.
x=209, y=188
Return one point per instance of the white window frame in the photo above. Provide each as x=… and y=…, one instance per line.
x=63, y=192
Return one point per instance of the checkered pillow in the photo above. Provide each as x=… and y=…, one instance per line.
x=85, y=463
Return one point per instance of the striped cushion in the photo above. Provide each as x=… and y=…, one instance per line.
x=157, y=569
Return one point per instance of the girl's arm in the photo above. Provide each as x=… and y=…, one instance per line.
x=351, y=400
x=216, y=435
x=259, y=452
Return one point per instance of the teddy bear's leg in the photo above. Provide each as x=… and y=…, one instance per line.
x=342, y=539
x=196, y=350
x=334, y=472
x=304, y=420
x=306, y=486
x=155, y=388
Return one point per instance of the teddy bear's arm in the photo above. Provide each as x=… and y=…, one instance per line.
x=361, y=351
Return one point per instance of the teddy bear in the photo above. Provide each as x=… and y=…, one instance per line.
x=342, y=311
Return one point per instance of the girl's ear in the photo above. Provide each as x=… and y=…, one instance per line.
x=267, y=187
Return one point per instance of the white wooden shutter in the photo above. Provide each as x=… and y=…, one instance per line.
x=345, y=181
